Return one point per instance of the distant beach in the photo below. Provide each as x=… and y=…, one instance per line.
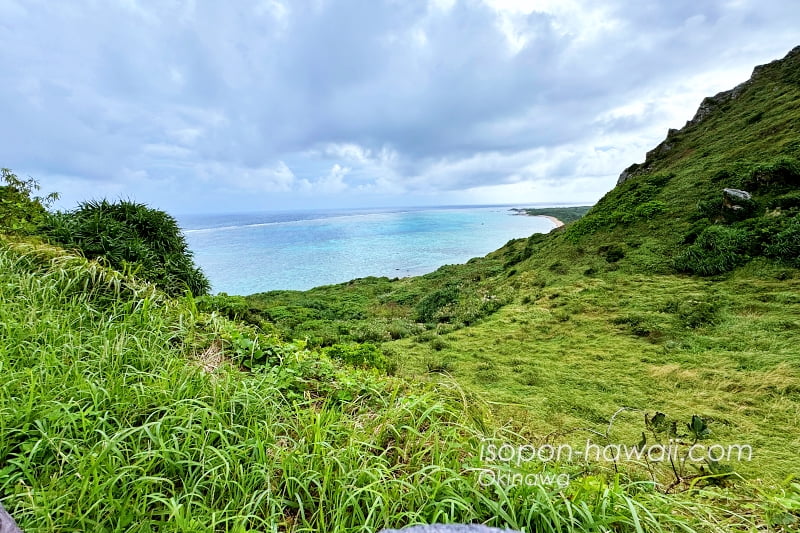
x=554, y=220
x=557, y=215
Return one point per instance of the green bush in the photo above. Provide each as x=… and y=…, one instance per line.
x=786, y=244
x=253, y=350
x=439, y=344
x=371, y=331
x=439, y=366
x=786, y=201
x=717, y=249
x=612, y=252
x=20, y=212
x=233, y=307
x=698, y=313
x=132, y=238
x=428, y=309
x=641, y=325
x=782, y=173
x=649, y=209
x=359, y=355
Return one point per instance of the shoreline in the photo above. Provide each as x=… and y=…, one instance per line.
x=559, y=216
x=552, y=219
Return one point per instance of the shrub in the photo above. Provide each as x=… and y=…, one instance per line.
x=710, y=209
x=439, y=366
x=361, y=355
x=428, y=308
x=716, y=250
x=132, y=238
x=781, y=173
x=19, y=211
x=370, y=331
x=650, y=209
x=612, y=252
x=232, y=307
x=641, y=325
x=439, y=344
x=786, y=201
x=786, y=244
x=398, y=329
x=697, y=313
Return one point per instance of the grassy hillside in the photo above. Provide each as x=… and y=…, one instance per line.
x=747, y=138
x=124, y=410
x=662, y=298
x=663, y=316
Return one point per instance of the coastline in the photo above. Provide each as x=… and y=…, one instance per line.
x=552, y=219
x=557, y=215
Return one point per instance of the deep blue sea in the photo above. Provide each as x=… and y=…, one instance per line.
x=257, y=252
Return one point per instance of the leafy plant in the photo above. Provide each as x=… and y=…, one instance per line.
x=698, y=428
x=716, y=250
x=786, y=244
x=254, y=350
x=428, y=309
x=133, y=238
x=20, y=211
x=360, y=355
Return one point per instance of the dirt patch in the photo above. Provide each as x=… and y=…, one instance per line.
x=212, y=357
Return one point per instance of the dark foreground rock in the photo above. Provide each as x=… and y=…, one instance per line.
x=449, y=528
x=7, y=524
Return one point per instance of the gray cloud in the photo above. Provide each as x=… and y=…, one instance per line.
x=201, y=106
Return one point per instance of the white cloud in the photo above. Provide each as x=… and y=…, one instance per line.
x=333, y=182
x=265, y=179
x=339, y=101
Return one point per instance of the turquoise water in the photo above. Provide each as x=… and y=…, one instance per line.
x=250, y=253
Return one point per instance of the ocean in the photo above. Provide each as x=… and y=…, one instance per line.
x=258, y=252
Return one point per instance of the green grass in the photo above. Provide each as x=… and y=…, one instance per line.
x=576, y=354
x=600, y=315
x=123, y=409
x=108, y=422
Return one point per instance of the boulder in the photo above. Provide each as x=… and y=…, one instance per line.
x=736, y=199
x=737, y=194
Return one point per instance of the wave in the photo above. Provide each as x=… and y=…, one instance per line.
x=290, y=222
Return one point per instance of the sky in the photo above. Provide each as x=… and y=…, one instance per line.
x=214, y=107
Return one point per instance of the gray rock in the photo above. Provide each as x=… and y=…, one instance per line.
x=737, y=195
x=624, y=176
x=628, y=173
x=449, y=528
x=7, y=524
x=711, y=103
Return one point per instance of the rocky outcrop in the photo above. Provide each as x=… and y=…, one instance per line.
x=710, y=104
x=708, y=107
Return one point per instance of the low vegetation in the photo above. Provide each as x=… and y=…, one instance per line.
x=130, y=237
x=125, y=424
x=667, y=315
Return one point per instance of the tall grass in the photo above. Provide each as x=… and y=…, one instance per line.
x=107, y=425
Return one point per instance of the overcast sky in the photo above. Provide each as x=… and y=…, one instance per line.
x=196, y=106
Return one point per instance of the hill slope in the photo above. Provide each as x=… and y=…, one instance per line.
x=666, y=215
x=747, y=139
x=125, y=410
x=561, y=331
